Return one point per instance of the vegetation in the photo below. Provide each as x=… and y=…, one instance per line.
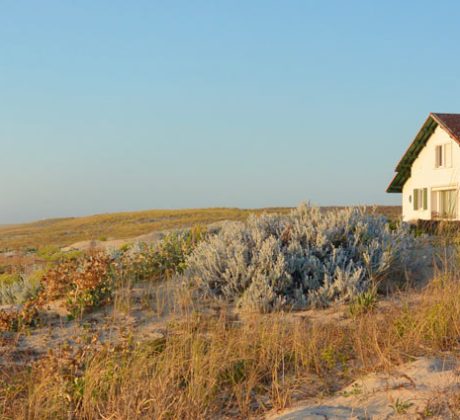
x=302, y=259
x=53, y=254
x=19, y=288
x=206, y=366
x=364, y=302
x=87, y=281
x=165, y=259
x=401, y=407
x=209, y=360
x=63, y=232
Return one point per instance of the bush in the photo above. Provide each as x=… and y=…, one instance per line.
x=17, y=319
x=91, y=286
x=53, y=254
x=164, y=259
x=85, y=283
x=306, y=258
x=18, y=288
x=174, y=249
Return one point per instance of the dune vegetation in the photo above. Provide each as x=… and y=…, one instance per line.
x=65, y=231
x=147, y=332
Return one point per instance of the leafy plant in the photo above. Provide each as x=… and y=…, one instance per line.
x=355, y=390
x=91, y=285
x=174, y=249
x=162, y=260
x=363, y=303
x=85, y=283
x=15, y=320
x=401, y=406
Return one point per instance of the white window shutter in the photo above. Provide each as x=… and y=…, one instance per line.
x=448, y=155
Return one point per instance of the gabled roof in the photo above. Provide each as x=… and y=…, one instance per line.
x=450, y=123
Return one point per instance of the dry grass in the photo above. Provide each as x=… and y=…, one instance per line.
x=62, y=232
x=210, y=365
x=443, y=405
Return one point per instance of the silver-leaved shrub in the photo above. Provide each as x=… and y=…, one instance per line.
x=307, y=258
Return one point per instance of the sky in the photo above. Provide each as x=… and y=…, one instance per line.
x=116, y=105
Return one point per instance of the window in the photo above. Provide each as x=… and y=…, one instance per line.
x=438, y=162
x=443, y=156
x=444, y=203
x=421, y=199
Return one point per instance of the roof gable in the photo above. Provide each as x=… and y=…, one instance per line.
x=449, y=122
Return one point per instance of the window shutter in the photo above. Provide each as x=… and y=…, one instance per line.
x=436, y=157
x=425, y=199
x=434, y=202
x=415, y=199
x=448, y=155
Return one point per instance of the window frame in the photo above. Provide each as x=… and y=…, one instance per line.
x=420, y=201
x=442, y=199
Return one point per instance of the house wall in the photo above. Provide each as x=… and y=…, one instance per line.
x=424, y=174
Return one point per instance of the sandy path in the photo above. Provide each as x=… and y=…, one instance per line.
x=405, y=393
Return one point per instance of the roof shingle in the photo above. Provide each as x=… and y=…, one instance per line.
x=451, y=122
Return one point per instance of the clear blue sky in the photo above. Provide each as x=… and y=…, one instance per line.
x=126, y=105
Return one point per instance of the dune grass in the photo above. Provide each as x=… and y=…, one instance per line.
x=207, y=365
x=63, y=232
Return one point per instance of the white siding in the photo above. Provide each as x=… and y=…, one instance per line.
x=424, y=174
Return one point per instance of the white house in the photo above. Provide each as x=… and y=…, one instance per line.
x=428, y=175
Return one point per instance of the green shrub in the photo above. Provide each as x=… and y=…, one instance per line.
x=174, y=249
x=165, y=259
x=363, y=303
x=53, y=254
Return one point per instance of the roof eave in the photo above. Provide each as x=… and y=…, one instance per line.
x=397, y=183
x=403, y=169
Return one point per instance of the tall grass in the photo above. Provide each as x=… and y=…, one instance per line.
x=211, y=365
